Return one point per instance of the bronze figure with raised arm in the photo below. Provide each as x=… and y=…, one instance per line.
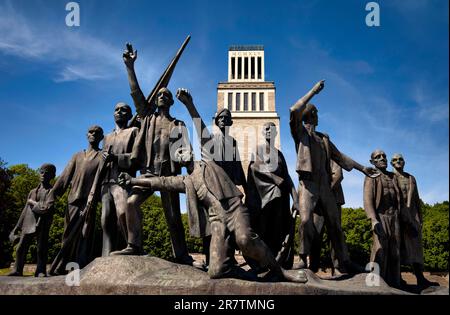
x=151, y=154
x=215, y=208
x=219, y=147
x=314, y=151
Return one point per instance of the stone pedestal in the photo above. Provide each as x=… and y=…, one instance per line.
x=151, y=275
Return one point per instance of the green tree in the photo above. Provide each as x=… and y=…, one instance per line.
x=194, y=244
x=57, y=228
x=22, y=180
x=6, y=216
x=5, y=182
x=435, y=236
x=156, y=236
x=357, y=229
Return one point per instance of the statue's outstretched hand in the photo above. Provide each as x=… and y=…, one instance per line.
x=129, y=55
x=124, y=180
x=184, y=96
x=370, y=172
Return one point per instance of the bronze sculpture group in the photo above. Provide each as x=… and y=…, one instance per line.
x=157, y=145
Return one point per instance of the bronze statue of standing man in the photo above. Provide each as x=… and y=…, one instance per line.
x=314, y=151
x=319, y=220
x=79, y=175
x=117, y=148
x=35, y=221
x=269, y=189
x=219, y=147
x=411, y=221
x=226, y=152
x=152, y=156
x=382, y=202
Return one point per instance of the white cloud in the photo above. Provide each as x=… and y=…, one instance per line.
x=435, y=113
x=428, y=107
x=76, y=54
x=16, y=37
x=72, y=73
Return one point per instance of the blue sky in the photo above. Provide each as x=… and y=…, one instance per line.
x=386, y=87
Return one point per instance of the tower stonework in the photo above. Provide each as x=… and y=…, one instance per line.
x=249, y=97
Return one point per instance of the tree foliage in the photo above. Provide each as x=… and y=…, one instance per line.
x=194, y=244
x=20, y=179
x=6, y=216
x=435, y=236
x=357, y=229
x=156, y=236
x=24, y=179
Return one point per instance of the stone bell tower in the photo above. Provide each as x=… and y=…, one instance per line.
x=249, y=97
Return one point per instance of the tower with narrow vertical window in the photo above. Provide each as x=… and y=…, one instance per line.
x=249, y=97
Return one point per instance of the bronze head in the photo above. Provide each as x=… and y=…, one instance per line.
x=378, y=159
x=310, y=115
x=122, y=113
x=95, y=135
x=223, y=119
x=164, y=98
x=398, y=162
x=47, y=172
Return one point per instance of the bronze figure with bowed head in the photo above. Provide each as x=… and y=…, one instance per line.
x=411, y=250
x=270, y=189
x=79, y=175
